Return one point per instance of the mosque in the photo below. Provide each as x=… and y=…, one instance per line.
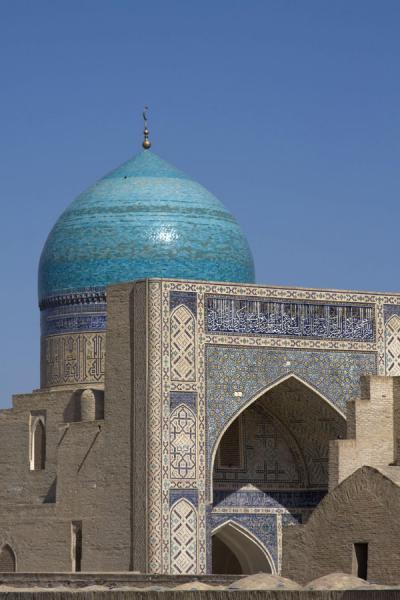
x=188, y=420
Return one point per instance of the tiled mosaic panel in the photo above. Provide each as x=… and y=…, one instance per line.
x=183, y=448
x=183, y=345
x=263, y=527
x=188, y=299
x=392, y=346
x=154, y=473
x=187, y=398
x=73, y=319
x=299, y=502
x=191, y=495
x=183, y=543
x=273, y=499
x=294, y=319
x=286, y=437
x=72, y=359
x=247, y=371
x=389, y=310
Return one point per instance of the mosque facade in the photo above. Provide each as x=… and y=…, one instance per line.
x=185, y=413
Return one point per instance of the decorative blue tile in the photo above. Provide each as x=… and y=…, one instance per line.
x=336, y=375
x=243, y=316
x=191, y=495
x=389, y=310
x=263, y=527
x=144, y=219
x=73, y=318
x=272, y=499
x=188, y=299
x=188, y=398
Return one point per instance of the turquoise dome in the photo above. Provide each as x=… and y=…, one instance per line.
x=144, y=219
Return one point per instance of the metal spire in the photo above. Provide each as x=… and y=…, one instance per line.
x=146, y=142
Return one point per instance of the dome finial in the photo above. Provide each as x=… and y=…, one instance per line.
x=146, y=142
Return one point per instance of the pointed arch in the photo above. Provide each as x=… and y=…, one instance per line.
x=183, y=339
x=230, y=452
x=250, y=552
x=38, y=444
x=8, y=561
x=253, y=399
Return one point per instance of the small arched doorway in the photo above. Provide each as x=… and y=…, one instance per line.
x=236, y=552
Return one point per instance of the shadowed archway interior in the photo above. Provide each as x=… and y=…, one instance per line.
x=235, y=552
x=272, y=461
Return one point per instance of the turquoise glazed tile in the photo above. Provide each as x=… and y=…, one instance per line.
x=144, y=219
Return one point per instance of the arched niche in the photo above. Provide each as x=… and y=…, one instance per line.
x=288, y=427
x=85, y=404
x=236, y=551
x=38, y=444
x=7, y=559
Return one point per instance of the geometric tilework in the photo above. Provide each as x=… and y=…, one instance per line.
x=188, y=398
x=392, y=346
x=183, y=443
x=191, y=495
x=154, y=474
x=219, y=387
x=390, y=310
x=183, y=527
x=272, y=458
x=290, y=415
x=288, y=499
x=247, y=371
x=183, y=329
x=188, y=299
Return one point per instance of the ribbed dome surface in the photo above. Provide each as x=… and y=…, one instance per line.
x=144, y=219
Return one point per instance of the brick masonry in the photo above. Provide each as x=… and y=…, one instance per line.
x=172, y=386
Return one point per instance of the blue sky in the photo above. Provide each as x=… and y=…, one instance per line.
x=287, y=110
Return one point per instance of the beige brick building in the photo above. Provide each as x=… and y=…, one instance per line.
x=354, y=529
x=185, y=414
